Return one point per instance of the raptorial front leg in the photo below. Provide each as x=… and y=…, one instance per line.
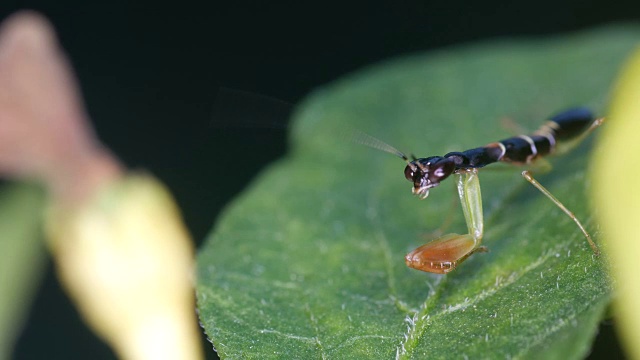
x=445, y=253
x=527, y=175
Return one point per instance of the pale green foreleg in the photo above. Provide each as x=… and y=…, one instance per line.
x=445, y=253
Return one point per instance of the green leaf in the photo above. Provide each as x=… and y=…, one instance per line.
x=22, y=257
x=309, y=262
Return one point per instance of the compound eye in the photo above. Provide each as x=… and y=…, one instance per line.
x=408, y=173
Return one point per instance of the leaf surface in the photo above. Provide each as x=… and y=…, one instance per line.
x=309, y=261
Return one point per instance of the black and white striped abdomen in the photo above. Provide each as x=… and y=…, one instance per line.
x=564, y=126
x=524, y=149
x=568, y=124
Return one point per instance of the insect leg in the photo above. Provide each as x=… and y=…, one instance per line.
x=567, y=145
x=527, y=175
x=471, y=199
x=445, y=253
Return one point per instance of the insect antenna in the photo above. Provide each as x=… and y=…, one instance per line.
x=375, y=143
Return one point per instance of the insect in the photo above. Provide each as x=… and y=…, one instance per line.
x=558, y=135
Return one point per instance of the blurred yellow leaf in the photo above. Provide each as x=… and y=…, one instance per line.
x=126, y=259
x=617, y=197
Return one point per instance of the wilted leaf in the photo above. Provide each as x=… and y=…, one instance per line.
x=308, y=263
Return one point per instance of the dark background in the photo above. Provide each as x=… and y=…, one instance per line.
x=151, y=73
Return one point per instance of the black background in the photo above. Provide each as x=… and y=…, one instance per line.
x=150, y=74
